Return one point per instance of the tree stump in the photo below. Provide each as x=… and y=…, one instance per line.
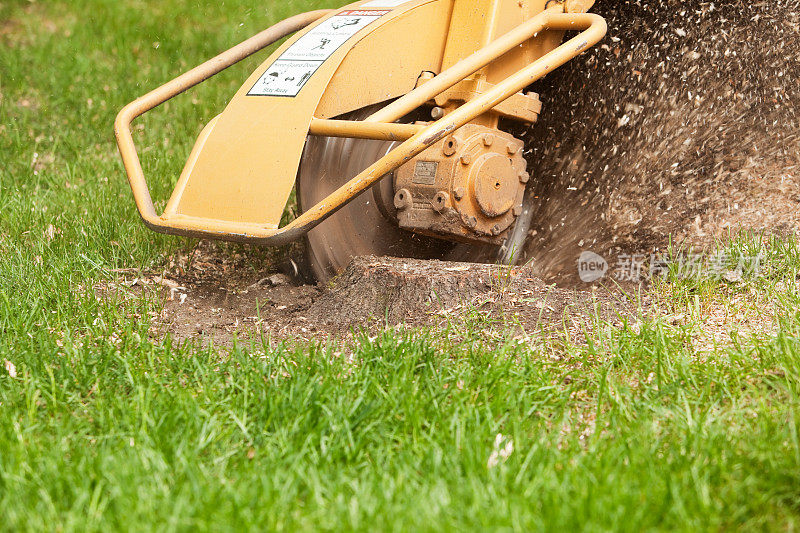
x=393, y=289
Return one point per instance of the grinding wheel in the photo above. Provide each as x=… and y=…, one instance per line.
x=365, y=226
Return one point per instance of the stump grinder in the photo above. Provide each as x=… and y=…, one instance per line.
x=387, y=119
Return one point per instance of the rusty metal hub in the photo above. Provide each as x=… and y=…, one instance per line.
x=469, y=186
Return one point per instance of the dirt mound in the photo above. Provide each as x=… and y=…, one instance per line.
x=398, y=290
x=208, y=295
x=413, y=292
x=683, y=123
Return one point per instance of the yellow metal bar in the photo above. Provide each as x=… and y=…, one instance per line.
x=122, y=126
x=364, y=130
x=593, y=30
x=466, y=67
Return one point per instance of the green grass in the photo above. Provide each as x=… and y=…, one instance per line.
x=103, y=428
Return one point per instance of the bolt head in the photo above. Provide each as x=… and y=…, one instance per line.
x=513, y=149
x=437, y=113
x=450, y=146
x=459, y=193
x=488, y=139
x=466, y=159
x=524, y=177
x=440, y=202
x=403, y=199
x=496, y=230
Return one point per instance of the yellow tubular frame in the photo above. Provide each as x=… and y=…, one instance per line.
x=378, y=126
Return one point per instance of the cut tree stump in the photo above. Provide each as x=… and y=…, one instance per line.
x=396, y=289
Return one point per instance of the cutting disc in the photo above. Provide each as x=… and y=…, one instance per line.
x=365, y=226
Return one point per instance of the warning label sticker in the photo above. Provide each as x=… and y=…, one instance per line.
x=290, y=72
x=285, y=78
x=321, y=42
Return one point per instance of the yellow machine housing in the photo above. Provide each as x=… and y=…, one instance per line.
x=465, y=62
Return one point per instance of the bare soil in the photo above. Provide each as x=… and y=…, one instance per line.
x=209, y=296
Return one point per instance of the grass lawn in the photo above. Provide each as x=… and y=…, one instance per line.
x=677, y=421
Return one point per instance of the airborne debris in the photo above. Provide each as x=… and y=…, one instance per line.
x=696, y=117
